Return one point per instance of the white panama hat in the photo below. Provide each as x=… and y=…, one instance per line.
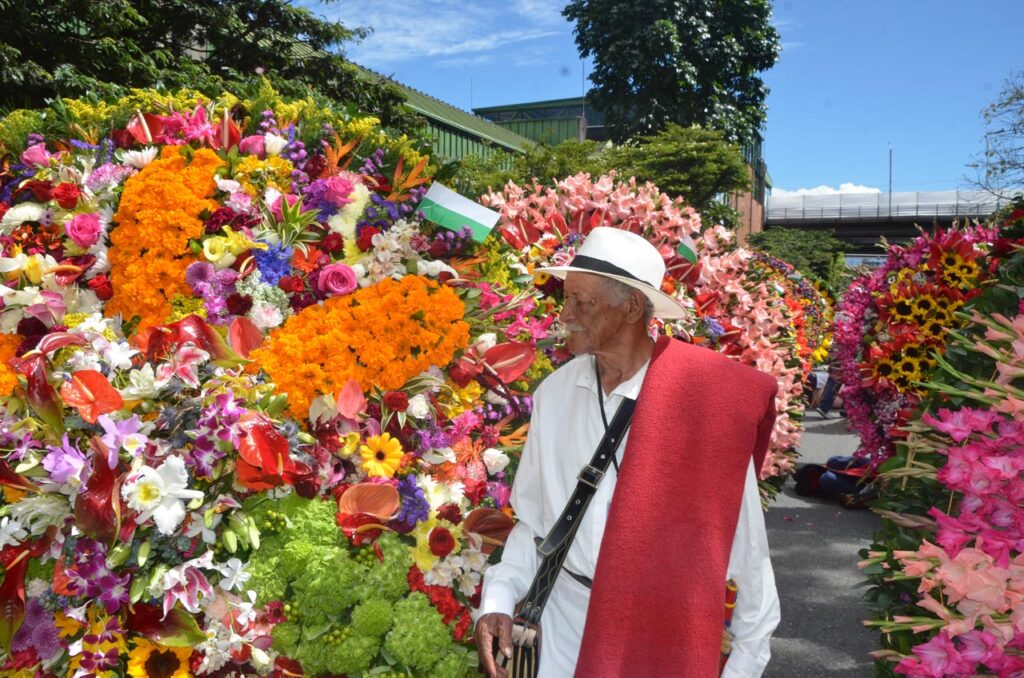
x=627, y=257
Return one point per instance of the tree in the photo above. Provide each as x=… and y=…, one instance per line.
x=695, y=163
x=68, y=48
x=693, y=62
x=1002, y=162
x=815, y=253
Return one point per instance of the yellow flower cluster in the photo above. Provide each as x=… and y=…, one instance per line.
x=158, y=215
x=257, y=175
x=381, y=335
x=8, y=377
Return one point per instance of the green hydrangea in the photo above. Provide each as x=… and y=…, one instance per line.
x=390, y=579
x=372, y=618
x=461, y=662
x=327, y=587
x=418, y=639
x=286, y=637
x=350, y=654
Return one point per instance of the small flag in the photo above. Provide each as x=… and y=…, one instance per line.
x=447, y=208
x=687, y=249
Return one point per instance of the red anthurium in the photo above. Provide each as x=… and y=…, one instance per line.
x=263, y=456
x=15, y=560
x=228, y=134
x=98, y=506
x=177, y=629
x=91, y=393
x=373, y=499
x=10, y=478
x=41, y=396
x=58, y=340
x=145, y=127
x=491, y=525
x=164, y=341
x=465, y=369
x=510, y=360
x=244, y=336
x=360, y=528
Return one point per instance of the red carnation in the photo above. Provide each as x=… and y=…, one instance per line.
x=396, y=401
x=451, y=513
x=66, y=195
x=40, y=189
x=239, y=304
x=441, y=542
x=475, y=490
x=365, y=240
x=291, y=283
x=100, y=284
x=332, y=243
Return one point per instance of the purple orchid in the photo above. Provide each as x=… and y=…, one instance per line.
x=65, y=463
x=114, y=591
x=122, y=434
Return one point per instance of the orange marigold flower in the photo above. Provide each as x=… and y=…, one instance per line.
x=8, y=349
x=381, y=335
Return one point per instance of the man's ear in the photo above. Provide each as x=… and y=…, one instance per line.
x=635, y=307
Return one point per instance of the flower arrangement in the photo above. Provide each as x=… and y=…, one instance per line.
x=258, y=416
x=947, y=567
x=890, y=323
x=738, y=306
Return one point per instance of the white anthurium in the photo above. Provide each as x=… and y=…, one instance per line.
x=495, y=460
x=160, y=494
x=439, y=456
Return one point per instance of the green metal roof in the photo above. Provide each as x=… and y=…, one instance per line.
x=548, y=103
x=446, y=114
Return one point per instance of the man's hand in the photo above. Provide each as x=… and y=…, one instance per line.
x=489, y=627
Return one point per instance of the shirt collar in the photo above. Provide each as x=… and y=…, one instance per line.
x=627, y=389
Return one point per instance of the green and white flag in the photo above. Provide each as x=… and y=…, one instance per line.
x=687, y=249
x=447, y=208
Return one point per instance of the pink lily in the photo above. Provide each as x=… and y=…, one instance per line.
x=184, y=364
x=187, y=584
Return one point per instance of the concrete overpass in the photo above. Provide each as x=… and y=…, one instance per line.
x=862, y=219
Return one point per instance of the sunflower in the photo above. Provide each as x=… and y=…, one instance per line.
x=902, y=310
x=933, y=330
x=149, y=660
x=923, y=307
x=883, y=368
x=382, y=455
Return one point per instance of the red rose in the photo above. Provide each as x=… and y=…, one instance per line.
x=441, y=542
x=451, y=513
x=332, y=243
x=100, y=284
x=365, y=240
x=396, y=401
x=66, y=195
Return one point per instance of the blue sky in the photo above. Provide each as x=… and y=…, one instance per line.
x=852, y=77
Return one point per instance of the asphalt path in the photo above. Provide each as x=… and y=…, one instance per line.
x=814, y=545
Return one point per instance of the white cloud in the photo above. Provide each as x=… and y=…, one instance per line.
x=848, y=187
x=464, y=32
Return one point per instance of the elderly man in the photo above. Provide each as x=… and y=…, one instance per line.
x=642, y=590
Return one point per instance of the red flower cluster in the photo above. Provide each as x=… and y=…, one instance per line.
x=444, y=601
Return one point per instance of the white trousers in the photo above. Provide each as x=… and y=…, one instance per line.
x=562, y=627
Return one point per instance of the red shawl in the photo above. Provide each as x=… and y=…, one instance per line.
x=658, y=601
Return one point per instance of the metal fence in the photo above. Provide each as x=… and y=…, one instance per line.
x=853, y=206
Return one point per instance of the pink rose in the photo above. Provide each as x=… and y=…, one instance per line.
x=36, y=155
x=253, y=145
x=337, y=279
x=337, y=191
x=275, y=207
x=84, y=229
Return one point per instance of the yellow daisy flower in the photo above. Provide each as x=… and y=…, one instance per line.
x=382, y=455
x=149, y=660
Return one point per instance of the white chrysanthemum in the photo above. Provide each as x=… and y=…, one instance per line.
x=265, y=316
x=273, y=143
x=419, y=407
x=141, y=384
x=438, y=494
x=36, y=512
x=19, y=214
x=139, y=159
x=434, y=268
x=159, y=493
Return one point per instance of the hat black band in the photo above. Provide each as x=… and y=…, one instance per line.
x=585, y=263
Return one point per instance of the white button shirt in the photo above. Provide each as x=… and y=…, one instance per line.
x=565, y=429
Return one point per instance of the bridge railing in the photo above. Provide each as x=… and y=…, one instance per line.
x=853, y=206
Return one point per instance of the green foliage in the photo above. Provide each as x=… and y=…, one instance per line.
x=695, y=163
x=70, y=48
x=813, y=253
x=543, y=162
x=685, y=61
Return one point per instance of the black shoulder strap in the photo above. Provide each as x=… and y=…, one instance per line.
x=555, y=546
